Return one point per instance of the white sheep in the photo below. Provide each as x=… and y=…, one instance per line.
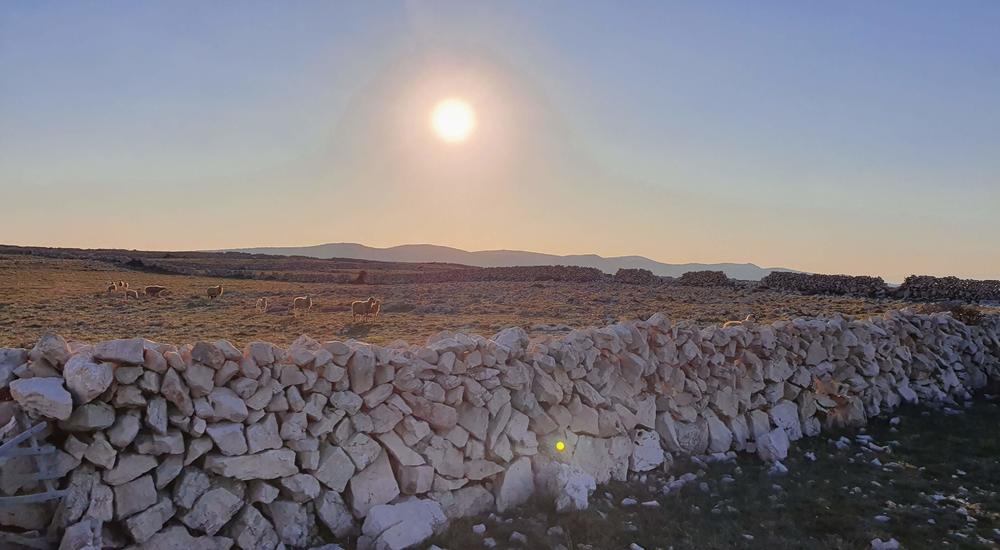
x=263, y=304
x=214, y=292
x=749, y=320
x=361, y=308
x=374, y=310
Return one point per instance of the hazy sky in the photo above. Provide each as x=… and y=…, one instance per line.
x=857, y=137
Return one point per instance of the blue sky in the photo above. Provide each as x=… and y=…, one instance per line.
x=852, y=137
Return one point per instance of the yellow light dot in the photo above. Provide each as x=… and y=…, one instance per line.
x=560, y=446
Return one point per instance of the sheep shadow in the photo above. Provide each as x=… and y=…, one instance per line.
x=356, y=329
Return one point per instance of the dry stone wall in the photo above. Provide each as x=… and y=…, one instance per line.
x=211, y=446
x=705, y=278
x=926, y=287
x=815, y=283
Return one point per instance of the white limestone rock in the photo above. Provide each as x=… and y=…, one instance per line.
x=265, y=465
x=515, y=486
x=372, y=486
x=647, y=454
x=43, y=396
x=86, y=379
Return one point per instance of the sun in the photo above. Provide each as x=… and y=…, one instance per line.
x=453, y=120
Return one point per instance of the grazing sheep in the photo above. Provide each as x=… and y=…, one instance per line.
x=214, y=292
x=375, y=308
x=750, y=319
x=263, y=304
x=302, y=303
x=131, y=294
x=122, y=284
x=361, y=308
x=155, y=290
x=112, y=287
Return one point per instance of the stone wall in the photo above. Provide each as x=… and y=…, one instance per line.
x=926, y=287
x=814, y=283
x=705, y=278
x=210, y=446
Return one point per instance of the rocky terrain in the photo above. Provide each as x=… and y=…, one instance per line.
x=208, y=445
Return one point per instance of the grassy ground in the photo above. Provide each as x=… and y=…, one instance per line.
x=69, y=296
x=936, y=486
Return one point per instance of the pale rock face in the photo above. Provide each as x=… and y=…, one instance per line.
x=86, y=379
x=191, y=484
x=361, y=370
x=178, y=537
x=129, y=467
x=333, y=512
x=200, y=379
x=134, y=496
x=208, y=354
x=468, y=501
x=476, y=470
x=88, y=418
x=51, y=348
x=251, y=529
x=300, y=487
x=176, y=391
x=773, y=446
x=372, y=486
x=263, y=435
x=144, y=525
x=265, y=465
x=83, y=535
x=415, y=480
x=121, y=351
x=568, y=485
x=226, y=405
x=335, y=467
x=292, y=522
x=515, y=486
x=785, y=415
x=474, y=419
x=212, y=510
x=720, y=438
x=646, y=451
x=514, y=339
x=403, y=525
x=228, y=437
x=403, y=455
x=43, y=396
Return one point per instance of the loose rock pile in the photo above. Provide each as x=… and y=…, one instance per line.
x=209, y=446
x=705, y=278
x=814, y=283
x=925, y=287
x=636, y=277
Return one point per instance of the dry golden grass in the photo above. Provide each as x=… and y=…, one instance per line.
x=69, y=296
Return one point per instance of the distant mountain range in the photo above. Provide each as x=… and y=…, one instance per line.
x=424, y=253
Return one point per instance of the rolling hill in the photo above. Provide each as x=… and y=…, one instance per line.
x=504, y=258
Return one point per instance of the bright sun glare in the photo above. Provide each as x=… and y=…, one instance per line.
x=453, y=120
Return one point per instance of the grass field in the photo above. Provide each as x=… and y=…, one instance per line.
x=935, y=485
x=69, y=296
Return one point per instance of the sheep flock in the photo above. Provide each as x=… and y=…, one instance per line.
x=367, y=310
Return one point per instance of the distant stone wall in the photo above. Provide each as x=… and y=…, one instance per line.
x=705, y=278
x=925, y=287
x=636, y=277
x=814, y=283
x=210, y=446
